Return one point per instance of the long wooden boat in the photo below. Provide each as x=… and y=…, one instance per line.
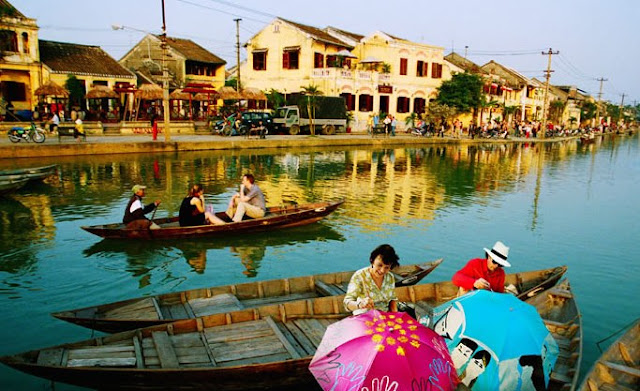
x=559, y=311
x=169, y=307
x=275, y=218
x=618, y=369
x=9, y=186
x=268, y=347
x=31, y=174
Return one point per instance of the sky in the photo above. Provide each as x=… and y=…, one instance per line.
x=595, y=39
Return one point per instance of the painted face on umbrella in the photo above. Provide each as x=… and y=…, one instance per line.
x=476, y=367
x=450, y=323
x=462, y=352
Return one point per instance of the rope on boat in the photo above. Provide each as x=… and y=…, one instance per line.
x=615, y=333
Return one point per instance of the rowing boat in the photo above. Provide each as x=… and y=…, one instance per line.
x=31, y=174
x=559, y=311
x=618, y=369
x=268, y=347
x=169, y=307
x=9, y=186
x=275, y=218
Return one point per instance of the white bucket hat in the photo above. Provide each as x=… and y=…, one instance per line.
x=499, y=253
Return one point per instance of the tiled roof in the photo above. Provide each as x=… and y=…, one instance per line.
x=463, y=63
x=354, y=36
x=63, y=57
x=11, y=10
x=318, y=34
x=192, y=51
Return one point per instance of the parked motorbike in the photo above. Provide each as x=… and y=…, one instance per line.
x=32, y=133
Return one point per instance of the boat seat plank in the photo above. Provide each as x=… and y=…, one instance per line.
x=102, y=351
x=102, y=362
x=285, y=342
x=177, y=311
x=257, y=347
x=225, y=302
x=635, y=372
x=300, y=337
x=341, y=288
x=251, y=303
x=134, y=310
x=50, y=357
x=324, y=289
x=237, y=332
x=138, y=352
x=312, y=329
x=166, y=353
x=259, y=360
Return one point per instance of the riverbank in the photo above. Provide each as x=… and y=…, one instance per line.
x=100, y=145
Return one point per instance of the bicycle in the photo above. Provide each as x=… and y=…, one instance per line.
x=33, y=133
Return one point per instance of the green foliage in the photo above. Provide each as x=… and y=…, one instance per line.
x=410, y=121
x=231, y=82
x=556, y=108
x=275, y=98
x=76, y=90
x=463, y=92
x=438, y=113
x=386, y=67
x=587, y=111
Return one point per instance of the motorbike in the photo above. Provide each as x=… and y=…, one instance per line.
x=32, y=133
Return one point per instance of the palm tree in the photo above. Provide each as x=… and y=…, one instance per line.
x=487, y=104
x=410, y=121
x=311, y=91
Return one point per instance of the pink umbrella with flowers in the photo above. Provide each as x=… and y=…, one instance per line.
x=382, y=351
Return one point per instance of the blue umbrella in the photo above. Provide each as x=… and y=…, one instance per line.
x=496, y=341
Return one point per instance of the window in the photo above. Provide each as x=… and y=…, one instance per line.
x=421, y=68
x=291, y=58
x=25, y=43
x=349, y=100
x=418, y=105
x=403, y=66
x=318, y=60
x=8, y=41
x=384, y=103
x=13, y=91
x=365, y=103
x=403, y=105
x=436, y=71
x=259, y=60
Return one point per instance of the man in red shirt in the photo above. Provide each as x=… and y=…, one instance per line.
x=484, y=273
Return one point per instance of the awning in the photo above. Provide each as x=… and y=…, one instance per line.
x=291, y=48
x=345, y=53
x=259, y=50
x=370, y=60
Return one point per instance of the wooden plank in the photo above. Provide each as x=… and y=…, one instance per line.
x=287, y=345
x=177, y=311
x=157, y=307
x=251, y=303
x=326, y=290
x=272, y=358
x=312, y=329
x=101, y=351
x=50, y=357
x=300, y=337
x=635, y=372
x=225, y=302
x=138, y=352
x=237, y=331
x=102, y=362
x=166, y=353
x=212, y=358
x=264, y=346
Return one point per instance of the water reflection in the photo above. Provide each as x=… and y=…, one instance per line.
x=145, y=257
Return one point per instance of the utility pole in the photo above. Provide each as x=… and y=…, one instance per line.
x=546, y=91
x=621, y=117
x=601, y=80
x=466, y=47
x=238, y=84
x=165, y=80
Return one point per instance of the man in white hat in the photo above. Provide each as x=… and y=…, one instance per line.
x=484, y=273
x=134, y=214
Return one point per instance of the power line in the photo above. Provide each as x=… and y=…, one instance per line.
x=252, y=10
x=221, y=11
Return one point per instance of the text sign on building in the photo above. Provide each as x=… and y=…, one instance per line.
x=385, y=89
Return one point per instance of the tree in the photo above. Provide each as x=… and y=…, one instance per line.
x=438, y=113
x=275, y=98
x=410, y=121
x=556, y=108
x=587, y=110
x=311, y=91
x=76, y=90
x=463, y=92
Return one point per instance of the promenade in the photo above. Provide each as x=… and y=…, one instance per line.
x=100, y=145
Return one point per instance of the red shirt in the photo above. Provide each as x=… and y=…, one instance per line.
x=477, y=268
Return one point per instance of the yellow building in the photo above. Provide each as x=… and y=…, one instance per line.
x=20, y=68
x=374, y=73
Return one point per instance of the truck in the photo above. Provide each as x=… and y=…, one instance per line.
x=330, y=116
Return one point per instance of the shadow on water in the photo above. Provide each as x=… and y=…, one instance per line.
x=142, y=257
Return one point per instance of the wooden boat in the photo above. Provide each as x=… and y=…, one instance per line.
x=31, y=174
x=618, y=369
x=268, y=347
x=276, y=217
x=9, y=186
x=559, y=311
x=169, y=307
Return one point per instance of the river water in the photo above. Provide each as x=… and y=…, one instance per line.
x=553, y=204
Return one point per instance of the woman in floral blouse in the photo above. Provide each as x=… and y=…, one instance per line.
x=374, y=287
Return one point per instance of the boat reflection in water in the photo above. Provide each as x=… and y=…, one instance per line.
x=145, y=256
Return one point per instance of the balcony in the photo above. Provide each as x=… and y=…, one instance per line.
x=332, y=73
x=384, y=78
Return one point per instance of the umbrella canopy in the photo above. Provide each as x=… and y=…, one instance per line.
x=371, y=60
x=229, y=93
x=382, y=351
x=180, y=95
x=345, y=53
x=52, y=89
x=497, y=342
x=99, y=92
x=149, y=92
x=253, y=93
x=204, y=97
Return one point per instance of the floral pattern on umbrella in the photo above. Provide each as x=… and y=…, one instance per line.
x=382, y=351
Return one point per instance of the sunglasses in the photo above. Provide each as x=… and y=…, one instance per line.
x=496, y=263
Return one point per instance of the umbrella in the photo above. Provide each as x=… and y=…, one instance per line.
x=52, y=89
x=149, y=92
x=229, y=93
x=371, y=60
x=253, y=93
x=180, y=95
x=99, y=92
x=345, y=53
x=382, y=351
x=497, y=342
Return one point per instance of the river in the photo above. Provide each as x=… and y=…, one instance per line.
x=553, y=204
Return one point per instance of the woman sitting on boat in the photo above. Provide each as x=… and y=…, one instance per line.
x=192, y=210
x=374, y=287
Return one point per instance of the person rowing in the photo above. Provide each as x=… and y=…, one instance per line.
x=134, y=213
